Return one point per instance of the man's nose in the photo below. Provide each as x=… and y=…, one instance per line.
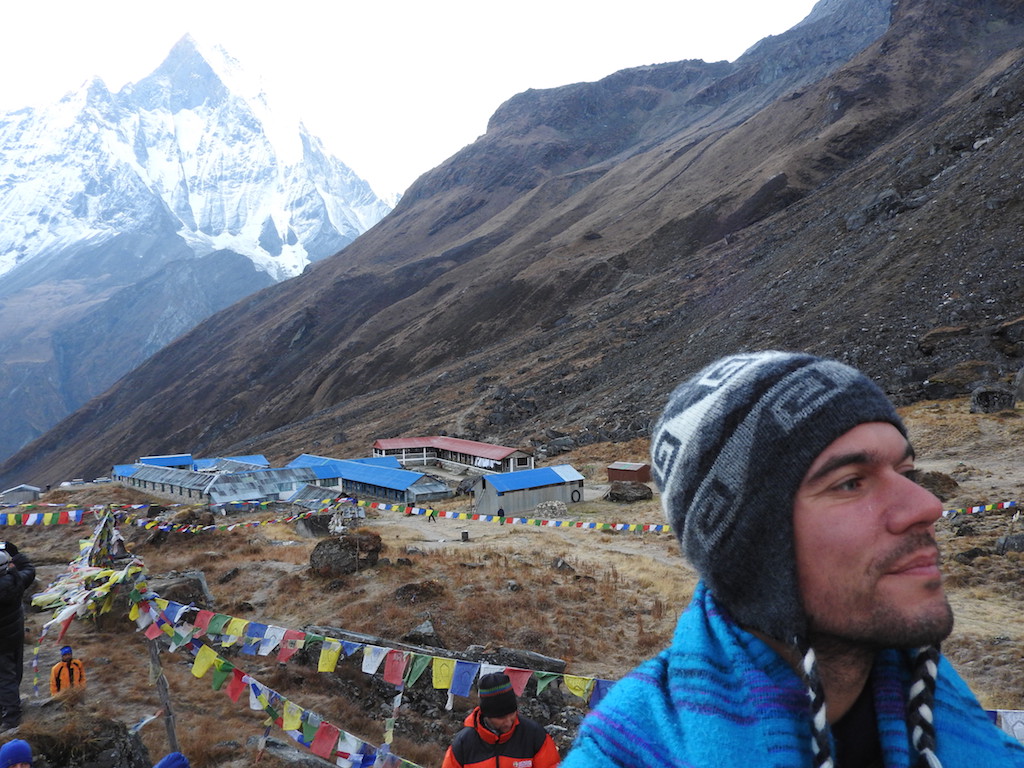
x=911, y=505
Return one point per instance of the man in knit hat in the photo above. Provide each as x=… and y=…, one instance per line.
x=812, y=637
x=16, y=754
x=496, y=736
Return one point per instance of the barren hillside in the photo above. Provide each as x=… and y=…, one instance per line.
x=611, y=602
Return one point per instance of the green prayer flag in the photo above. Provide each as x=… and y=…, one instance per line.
x=544, y=679
x=417, y=665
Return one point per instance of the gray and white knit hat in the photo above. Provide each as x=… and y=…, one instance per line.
x=729, y=454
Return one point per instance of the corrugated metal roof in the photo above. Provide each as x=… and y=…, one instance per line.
x=224, y=463
x=326, y=471
x=22, y=487
x=182, y=478
x=382, y=477
x=380, y=461
x=258, y=484
x=631, y=465
x=231, y=465
x=312, y=460
x=532, y=478
x=312, y=496
x=125, y=470
x=454, y=444
x=167, y=460
x=309, y=460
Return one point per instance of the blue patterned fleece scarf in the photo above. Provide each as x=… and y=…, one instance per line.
x=719, y=697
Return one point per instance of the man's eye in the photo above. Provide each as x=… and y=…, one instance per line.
x=850, y=484
x=914, y=475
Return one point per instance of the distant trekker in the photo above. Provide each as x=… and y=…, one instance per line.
x=67, y=673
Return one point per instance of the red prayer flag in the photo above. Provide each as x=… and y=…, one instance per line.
x=202, y=622
x=394, y=666
x=519, y=678
x=237, y=685
x=325, y=742
x=291, y=641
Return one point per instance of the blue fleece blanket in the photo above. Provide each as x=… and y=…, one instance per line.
x=720, y=697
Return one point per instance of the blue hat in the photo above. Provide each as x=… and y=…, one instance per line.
x=15, y=752
x=65, y=649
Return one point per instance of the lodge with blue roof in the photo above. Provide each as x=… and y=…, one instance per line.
x=250, y=478
x=517, y=492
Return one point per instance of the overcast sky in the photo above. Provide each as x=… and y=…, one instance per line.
x=394, y=88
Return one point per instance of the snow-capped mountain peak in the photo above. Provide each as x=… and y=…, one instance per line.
x=192, y=151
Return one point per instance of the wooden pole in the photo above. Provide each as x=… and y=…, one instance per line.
x=164, y=692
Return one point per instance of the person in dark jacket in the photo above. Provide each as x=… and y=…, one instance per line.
x=496, y=736
x=16, y=575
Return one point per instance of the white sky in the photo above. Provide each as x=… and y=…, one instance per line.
x=392, y=89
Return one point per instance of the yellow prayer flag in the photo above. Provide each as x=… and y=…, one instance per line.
x=579, y=686
x=234, y=629
x=133, y=612
x=443, y=671
x=291, y=720
x=329, y=653
x=204, y=660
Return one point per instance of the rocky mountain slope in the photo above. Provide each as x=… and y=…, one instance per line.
x=104, y=194
x=604, y=239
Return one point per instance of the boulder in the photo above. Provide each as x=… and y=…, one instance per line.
x=960, y=379
x=629, y=491
x=991, y=399
x=424, y=634
x=313, y=527
x=346, y=554
x=550, y=509
x=1012, y=543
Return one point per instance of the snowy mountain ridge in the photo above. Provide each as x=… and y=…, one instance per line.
x=177, y=152
x=127, y=218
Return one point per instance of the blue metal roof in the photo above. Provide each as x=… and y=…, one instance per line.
x=125, y=470
x=169, y=460
x=532, y=478
x=380, y=461
x=382, y=477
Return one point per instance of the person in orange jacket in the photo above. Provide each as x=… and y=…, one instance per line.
x=496, y=736
x=67, y=673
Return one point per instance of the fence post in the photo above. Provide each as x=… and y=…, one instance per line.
x=164, y=692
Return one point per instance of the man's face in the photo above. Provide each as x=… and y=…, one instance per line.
x=867, y=561
x=501, y=724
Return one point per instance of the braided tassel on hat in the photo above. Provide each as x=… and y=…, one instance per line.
x=820, y=745
x=919, y=706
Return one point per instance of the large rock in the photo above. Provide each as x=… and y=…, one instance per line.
x=960, y=379
x=346, y=554
x=1012, y=543
x=991, y=399
x=629, y=491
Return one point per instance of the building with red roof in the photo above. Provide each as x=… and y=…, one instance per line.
x=453, y=453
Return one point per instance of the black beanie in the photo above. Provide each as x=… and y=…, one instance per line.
x=497, y=698
x=729, y=454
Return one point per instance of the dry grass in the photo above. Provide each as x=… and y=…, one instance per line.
x=615, y=605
